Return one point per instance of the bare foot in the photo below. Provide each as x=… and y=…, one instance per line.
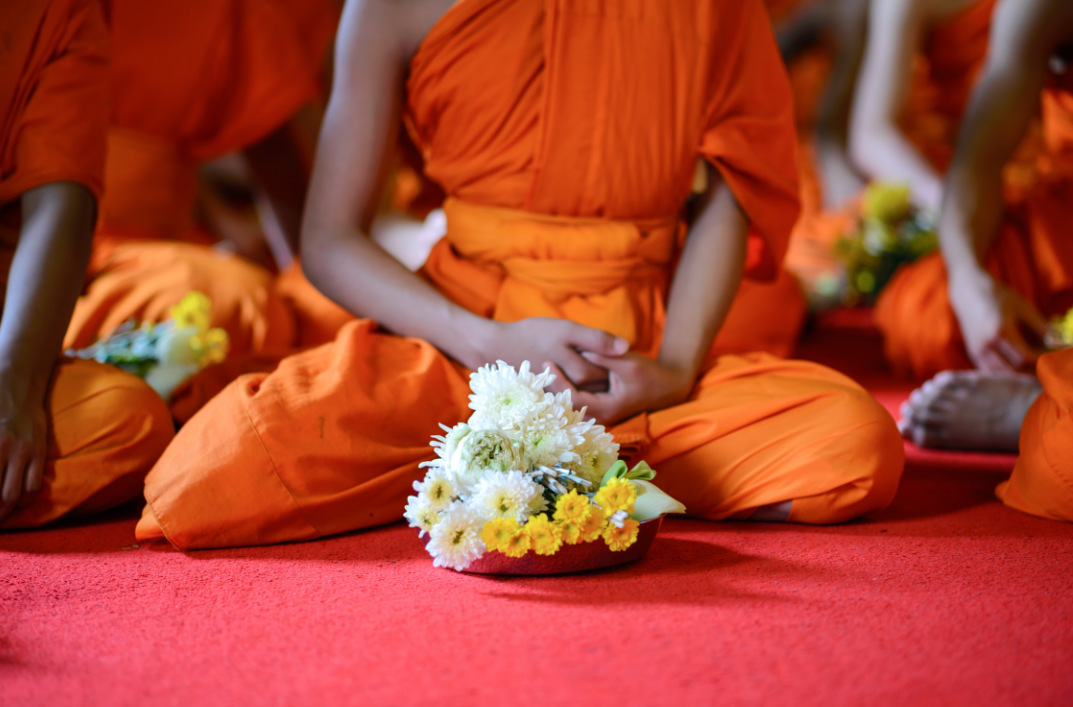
x=969, y=410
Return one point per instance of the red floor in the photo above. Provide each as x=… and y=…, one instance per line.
x=946, y=598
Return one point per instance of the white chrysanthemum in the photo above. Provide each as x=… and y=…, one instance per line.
x=502, y=396
x=596, y=453
x=455, y=540
x=480, y=452
x=420, y=514
x=447, y=445
x=436, y=490
x=506, y=495
x=548, y=433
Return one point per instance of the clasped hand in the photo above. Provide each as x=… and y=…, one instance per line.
x=595, y=366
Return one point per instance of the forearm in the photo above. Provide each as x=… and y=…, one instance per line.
x=707, y=279
x=366, y=281
x=46, y=278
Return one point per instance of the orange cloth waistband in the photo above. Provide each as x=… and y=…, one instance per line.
x=510, y=265
x=149, y=185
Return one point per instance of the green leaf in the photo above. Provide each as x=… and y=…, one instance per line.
x=618, y=469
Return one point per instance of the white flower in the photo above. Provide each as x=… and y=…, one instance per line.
x=420, y=514
x=507, y=495
x=480, y=452
x=175, y=345
x=455, y=540
x=502, y=396
x=596, y=453
x=548, y=433
x=436, y=490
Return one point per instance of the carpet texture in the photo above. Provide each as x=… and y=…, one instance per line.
x=945, y=598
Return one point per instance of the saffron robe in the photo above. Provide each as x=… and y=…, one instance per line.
x=191, y=81
x=105, y=427
x=1032, y=253
x=943, y=75
x=566, y=138
x=1042, y=480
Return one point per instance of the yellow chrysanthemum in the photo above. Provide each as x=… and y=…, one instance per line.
x=195, y=309
x=570, y=530
x=1063, y=327
x=517, y=544
x=619, y=539
x=212, y=346
x=572, y=506
x=545, y=538
x=497, y=533
x=617, y=495
x=592, y=526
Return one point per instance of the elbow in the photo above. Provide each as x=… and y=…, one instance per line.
x=313, y=251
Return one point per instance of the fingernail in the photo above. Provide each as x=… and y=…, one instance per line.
x=621, y=345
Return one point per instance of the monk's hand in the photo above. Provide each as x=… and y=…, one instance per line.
x=23, y=444
x=635, y=384
x=1003, y=332
x=560, y=342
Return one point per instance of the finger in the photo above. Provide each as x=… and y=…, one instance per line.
x=990, y=361
x=614, y=364
x=597, y=341
x=579, y=371
x=11, y=491
x=1031, y=316
x=35, y=472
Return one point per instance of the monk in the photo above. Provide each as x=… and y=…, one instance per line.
x=76, y=437
x=191, y=82
x=567, y=144
x=1005, y=272
x=906, y=112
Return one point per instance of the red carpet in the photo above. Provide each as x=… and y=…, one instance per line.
x=946, y=598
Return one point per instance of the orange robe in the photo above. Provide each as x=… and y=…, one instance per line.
x=191, y=81
x=106, y=427
x=567, y=142
x=1032, y=253
x=1042, y=480
x=943, y=76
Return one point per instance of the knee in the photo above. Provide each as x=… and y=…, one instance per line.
x=138, y=425
x=865, y=470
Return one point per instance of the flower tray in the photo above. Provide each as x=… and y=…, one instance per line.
x=582, y=557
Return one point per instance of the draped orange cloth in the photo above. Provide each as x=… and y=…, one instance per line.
x=943, y=76
x=1032, y=253
x=191, y=81
x=566, y=136
x=106, y=427
x=1042, y=480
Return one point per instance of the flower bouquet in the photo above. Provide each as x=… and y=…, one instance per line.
x=529, y=474
x=1060, y=335
x=168, y=353
x=889, y=233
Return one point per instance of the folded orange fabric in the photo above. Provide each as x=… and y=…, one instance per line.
x=1042, y=480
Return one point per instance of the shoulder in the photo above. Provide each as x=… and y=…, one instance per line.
x=400, y=24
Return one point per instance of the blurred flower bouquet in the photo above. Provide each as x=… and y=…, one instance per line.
x=1060, y=335
x=168, y=353
x=528, y=473
x=890, y=232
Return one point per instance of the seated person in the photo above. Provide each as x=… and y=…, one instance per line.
x=76, y=437
x=567, y=144
x=1002, y=273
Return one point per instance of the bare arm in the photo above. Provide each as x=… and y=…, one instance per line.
x=46, y=277
x=877, y=144
x=375, y=42
x=1025, y=33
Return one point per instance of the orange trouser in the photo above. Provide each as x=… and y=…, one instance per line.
x=106, y=429
x=1042, y=480
x=143, y=279
x=331, y=440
